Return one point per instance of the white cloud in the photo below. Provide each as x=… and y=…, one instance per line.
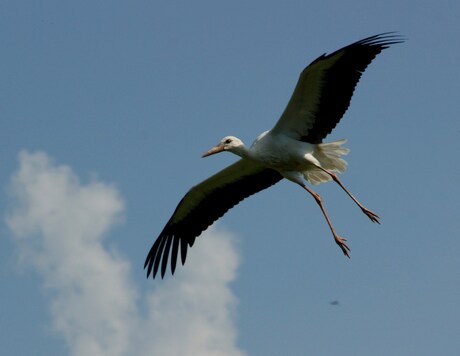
x=201, y=318
x=58, y=225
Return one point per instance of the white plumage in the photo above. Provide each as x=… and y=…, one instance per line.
x=293, y=149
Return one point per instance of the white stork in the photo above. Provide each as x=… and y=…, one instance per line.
x=293, y=149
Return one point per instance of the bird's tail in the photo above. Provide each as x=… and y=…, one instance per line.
x=328, y=154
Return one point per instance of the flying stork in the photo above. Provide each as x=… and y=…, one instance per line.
x=292, y=149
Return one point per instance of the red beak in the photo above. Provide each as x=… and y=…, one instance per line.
x=214, y=150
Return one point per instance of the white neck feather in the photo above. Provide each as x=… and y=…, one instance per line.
x=242, y=151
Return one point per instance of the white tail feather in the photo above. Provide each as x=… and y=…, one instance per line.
x=328, y=155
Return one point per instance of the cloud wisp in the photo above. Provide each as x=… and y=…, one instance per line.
x=59, y=225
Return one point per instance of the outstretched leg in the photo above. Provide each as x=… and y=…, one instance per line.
x=371, y=215
x=339, y=240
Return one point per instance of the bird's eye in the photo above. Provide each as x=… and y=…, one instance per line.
x=228, y=140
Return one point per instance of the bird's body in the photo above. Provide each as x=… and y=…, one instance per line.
x=292, y=149
x=281, y=152
x=293, y=159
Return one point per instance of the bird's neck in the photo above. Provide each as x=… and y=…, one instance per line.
x=242, y=151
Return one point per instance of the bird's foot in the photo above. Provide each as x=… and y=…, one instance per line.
x=341, y=242
x=371, y=215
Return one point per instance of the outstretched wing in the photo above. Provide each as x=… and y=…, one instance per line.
x=204, y=204
x=325, y=88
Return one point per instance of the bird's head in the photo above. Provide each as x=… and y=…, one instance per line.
x=228, y=143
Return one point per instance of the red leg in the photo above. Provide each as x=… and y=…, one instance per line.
x=339, y=240
x=371, y=215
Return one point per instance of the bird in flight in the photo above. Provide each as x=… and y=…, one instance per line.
x=292, y=149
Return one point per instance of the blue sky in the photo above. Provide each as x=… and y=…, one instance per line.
x=105, y=109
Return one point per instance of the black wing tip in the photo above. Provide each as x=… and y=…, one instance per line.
x=378, y=42
x=383, y=40
x=149, y=261
x=158, y=255
x=166, y=247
